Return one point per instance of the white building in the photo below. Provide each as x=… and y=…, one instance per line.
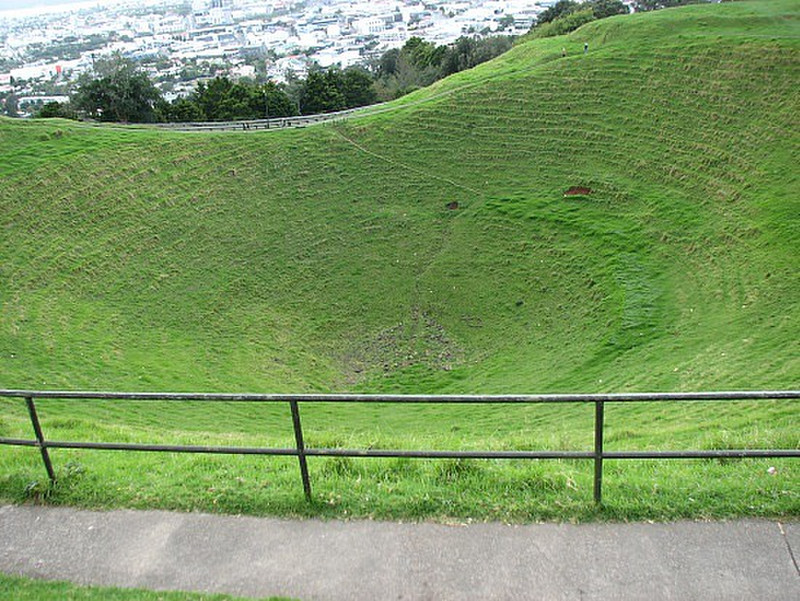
x=369, y=25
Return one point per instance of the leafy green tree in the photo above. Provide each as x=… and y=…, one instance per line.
x=214, y=98
x=276, y=101
x=321, y=93
x=11, y=107
x=468, y=52
x=419, y=63
x=223, y=100
x=404, y=79
x=608, y=8
x=357, y=87
x=491, y=47
x=423, y=54
x=505, y=22
x=235, y=104
x=122, y=93
x=459, y=56
x=51, y=110
x=183, y=110
x=400, y=71
x=559, y=9
x=567, y=15
x=387, y=64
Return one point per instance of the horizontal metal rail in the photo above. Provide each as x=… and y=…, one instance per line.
x=271, y=122
x=739, y=395
x=327, y=452
x=598, y=454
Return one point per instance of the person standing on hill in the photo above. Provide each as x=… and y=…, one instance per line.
x=564, y=51
x=585, y=47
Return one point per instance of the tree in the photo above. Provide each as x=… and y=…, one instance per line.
x=277, y=101
x=491, y=47
x=357, y=87
x=419, y=63
x=213, y=98
x=559, y=9
x=12, y=105
x=122, y=93
x=52, y=110
x=608, y=8
x=459, y=56
x=423, y=54
x=235, y=104
x=224, y=100
x=505, y=22
x=400, y=71
x=183, y=110
x=387, y=65
x=468, y=52
x=321, y=92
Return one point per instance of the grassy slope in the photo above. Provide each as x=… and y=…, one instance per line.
x=326, y=259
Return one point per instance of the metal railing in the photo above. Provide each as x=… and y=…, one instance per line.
x=598, y=454
x=275, y=122
x=270, y=123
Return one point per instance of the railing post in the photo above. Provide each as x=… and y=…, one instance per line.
x=37, y=429
x=301, y=449
x=598, y=452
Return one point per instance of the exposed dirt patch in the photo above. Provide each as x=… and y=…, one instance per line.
x=420, y=340
x=578, y=191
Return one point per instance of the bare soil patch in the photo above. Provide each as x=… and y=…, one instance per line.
x=420, y=340
x=578, y=191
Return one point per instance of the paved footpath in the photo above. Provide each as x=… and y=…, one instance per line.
x=318, y=560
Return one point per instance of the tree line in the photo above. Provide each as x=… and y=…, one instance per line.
x=119, y=90
x=419, y=63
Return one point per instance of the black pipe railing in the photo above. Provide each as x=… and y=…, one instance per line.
x=598, y=454
x=272, y=123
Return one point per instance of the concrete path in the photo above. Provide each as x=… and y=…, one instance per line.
x=316, y=560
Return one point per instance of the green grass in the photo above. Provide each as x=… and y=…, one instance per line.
x=16, y=588
x=326, y=259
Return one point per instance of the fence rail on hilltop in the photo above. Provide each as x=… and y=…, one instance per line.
x=270, y=123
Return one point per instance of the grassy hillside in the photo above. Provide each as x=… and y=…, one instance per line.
x=332, y=259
